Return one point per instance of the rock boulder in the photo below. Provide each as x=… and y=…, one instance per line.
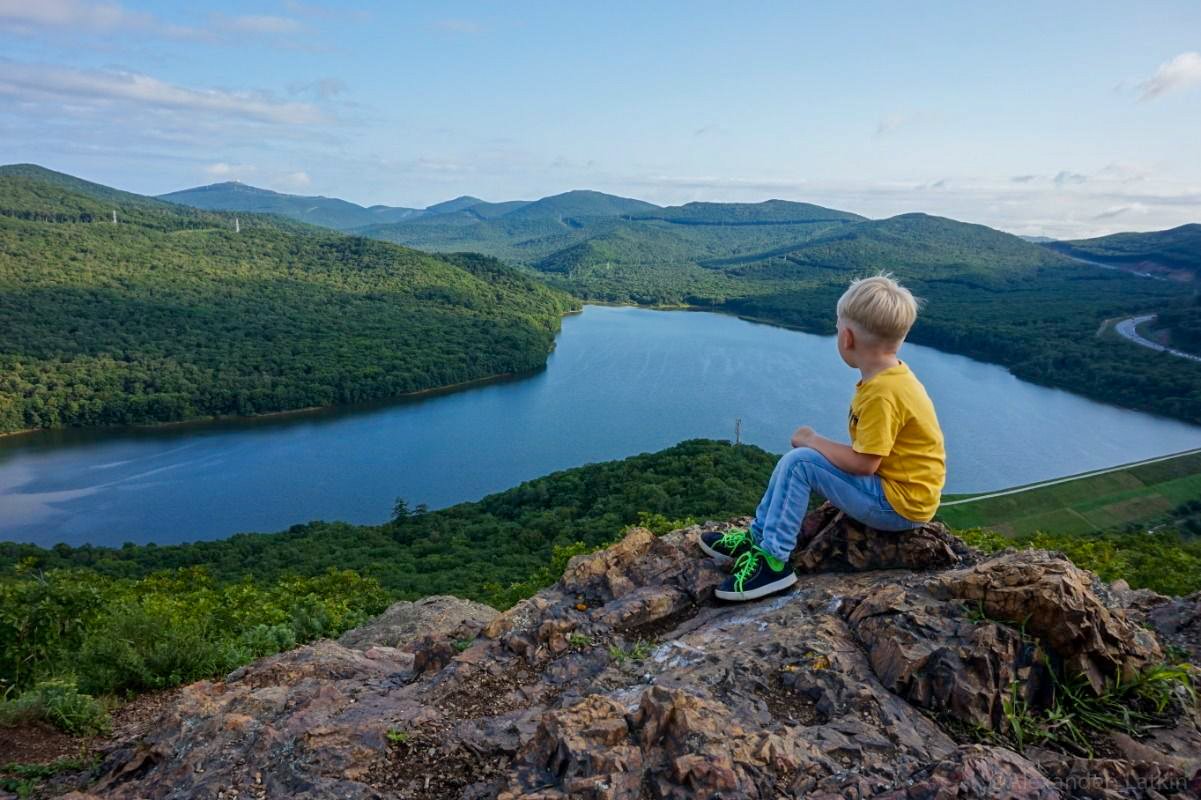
x=405, y=622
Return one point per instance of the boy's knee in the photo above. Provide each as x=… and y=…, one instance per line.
x=802, y=455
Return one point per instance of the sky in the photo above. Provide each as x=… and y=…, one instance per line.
x=1040, y=118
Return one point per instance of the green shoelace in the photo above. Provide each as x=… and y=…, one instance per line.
x=732, y=538
x=746, y=566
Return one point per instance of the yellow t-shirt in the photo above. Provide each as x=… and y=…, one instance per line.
x=892, y=416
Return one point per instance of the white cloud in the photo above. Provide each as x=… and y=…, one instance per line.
x=228, y=171
x=78, y=16
x=70, y=14
x=98, y=87
x=319, y=11
x=1099, y=206
x=75, y=16
x=295, y=180
x=1181, y=72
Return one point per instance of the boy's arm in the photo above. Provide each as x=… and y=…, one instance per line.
x=840, y=455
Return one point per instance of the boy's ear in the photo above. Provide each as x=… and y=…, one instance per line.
x=848, y=340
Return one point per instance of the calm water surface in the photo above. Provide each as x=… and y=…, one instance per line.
x=621, y=381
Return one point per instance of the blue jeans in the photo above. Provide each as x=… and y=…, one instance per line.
x=778, y=520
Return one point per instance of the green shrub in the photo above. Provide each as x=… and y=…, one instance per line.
x=267, y=640
x=137, y=649
x=127, y=635
x=43, y=618
x=58, y=702
x=660, y=524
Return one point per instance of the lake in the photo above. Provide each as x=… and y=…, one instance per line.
x=621, y=381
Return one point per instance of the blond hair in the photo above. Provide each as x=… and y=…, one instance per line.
x=880, y=306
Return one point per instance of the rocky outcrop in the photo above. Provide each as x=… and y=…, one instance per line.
x=1052, y=601
x=404, y=622
x=939, y=659
x=627, y=680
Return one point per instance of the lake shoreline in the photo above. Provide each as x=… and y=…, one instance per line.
x=289, y=412
x=433, y=391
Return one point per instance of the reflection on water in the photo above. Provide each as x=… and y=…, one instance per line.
x=621, y=381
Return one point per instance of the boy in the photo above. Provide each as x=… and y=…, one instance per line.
x=891, y=475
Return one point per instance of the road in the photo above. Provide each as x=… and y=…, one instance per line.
x=1128, y=329
x=1069, y=478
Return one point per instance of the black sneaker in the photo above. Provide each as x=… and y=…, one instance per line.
x=728, y=546
x=753, y=578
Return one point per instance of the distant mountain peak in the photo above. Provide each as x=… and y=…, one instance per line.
x=460, y=203
x=330, y=212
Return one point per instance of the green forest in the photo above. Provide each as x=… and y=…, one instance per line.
x=171, y=314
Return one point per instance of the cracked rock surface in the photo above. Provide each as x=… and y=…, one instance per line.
x=627, y=680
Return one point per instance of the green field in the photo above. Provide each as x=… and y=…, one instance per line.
x=1141, y=494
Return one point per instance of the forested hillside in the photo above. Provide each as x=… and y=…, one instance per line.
x=171, y=313
x=1176, y=251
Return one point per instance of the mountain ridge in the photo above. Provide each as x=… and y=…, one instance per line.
x=329, y=212
x=1173, y=252
x=767, y=212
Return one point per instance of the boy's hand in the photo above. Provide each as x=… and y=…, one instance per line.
x=803, y=436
